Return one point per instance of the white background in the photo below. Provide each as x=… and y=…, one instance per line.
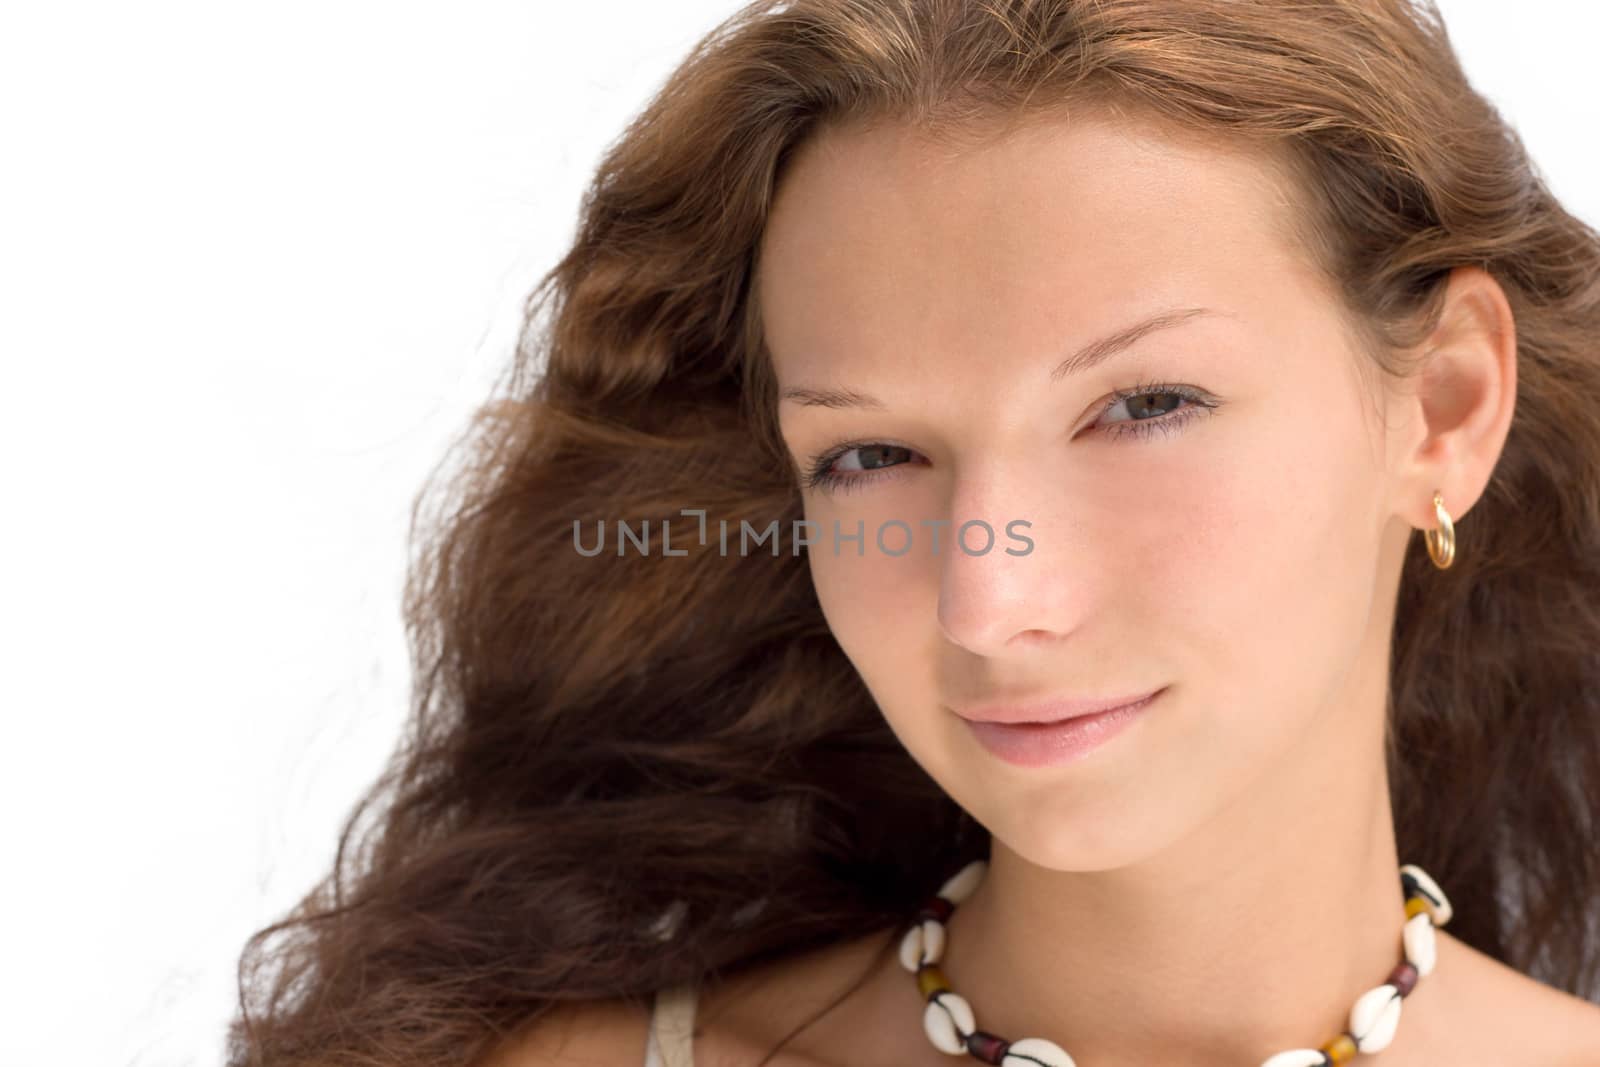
x=256, y=266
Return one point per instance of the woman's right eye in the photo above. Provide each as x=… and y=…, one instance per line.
x=824, y=474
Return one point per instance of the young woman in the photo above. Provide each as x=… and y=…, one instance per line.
x=980, y=367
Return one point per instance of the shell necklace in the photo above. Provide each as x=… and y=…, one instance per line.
x=951, y=1026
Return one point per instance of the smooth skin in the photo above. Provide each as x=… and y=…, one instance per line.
x=1219, y=881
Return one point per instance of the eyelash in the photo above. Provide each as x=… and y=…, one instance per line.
x=818, y=477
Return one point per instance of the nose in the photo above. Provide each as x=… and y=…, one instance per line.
x=1018, y=593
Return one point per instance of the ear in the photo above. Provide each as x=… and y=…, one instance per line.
x=1461, y=403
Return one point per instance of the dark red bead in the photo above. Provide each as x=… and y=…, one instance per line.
x=1403, y=978
x=986, y=1047
x=937, y=907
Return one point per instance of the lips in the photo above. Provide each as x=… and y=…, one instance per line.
x=1051, y=709
x=1055, y=744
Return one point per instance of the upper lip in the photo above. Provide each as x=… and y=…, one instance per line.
x=1048, y=709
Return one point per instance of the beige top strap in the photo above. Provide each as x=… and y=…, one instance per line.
x=672, y=1027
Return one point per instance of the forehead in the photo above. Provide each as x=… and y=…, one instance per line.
x=881, y=235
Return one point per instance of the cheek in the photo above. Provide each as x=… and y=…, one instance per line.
x=1271, y=575
x=870, y=601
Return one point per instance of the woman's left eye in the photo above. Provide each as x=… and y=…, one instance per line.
x=1157, y=417
x=1153, y=407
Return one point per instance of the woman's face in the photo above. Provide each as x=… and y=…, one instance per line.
x=1232, y=555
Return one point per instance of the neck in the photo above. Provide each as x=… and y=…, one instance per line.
x=1253, y=935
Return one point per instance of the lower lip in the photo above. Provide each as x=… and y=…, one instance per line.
x=1051, y=744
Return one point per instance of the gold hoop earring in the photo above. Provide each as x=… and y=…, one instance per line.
x=1441, y=542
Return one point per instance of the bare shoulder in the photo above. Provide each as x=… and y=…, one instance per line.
x=1570, y=1025
x=608, y=1033
x=1529, y=1022
x=1574, y=1026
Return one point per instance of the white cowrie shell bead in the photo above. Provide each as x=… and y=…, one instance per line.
x=959, y=886
x=1298, y=1057
x=1031, y=1051
x=922, y=943
x=1433, y=897
x=946, y=1019
x=1421, y=945
x=932, y=940
x=911, y=948
x=1374, y=1018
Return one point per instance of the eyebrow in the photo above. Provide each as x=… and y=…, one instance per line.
x=1090, y=355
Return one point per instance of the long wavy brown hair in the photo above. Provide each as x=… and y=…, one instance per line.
x=628, y=770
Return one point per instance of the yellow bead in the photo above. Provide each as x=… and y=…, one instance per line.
x=1415, y=905
x=931, y=980
x=1341, y=1049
